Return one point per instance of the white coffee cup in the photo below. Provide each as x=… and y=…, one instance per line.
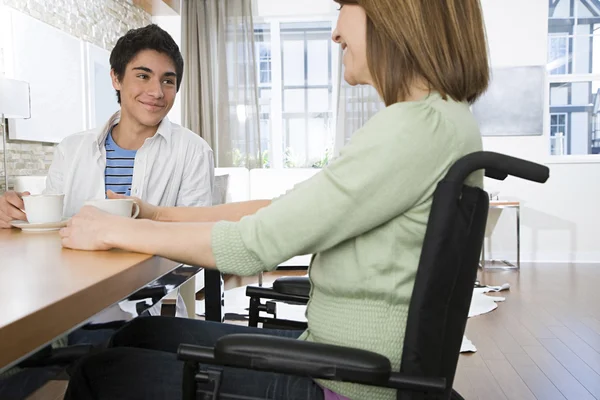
x=44, y=208
x=121, y=207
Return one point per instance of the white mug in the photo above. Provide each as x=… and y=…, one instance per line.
x=121, y=207
x=44, y=208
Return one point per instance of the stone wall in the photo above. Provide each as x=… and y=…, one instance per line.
x=100, y=22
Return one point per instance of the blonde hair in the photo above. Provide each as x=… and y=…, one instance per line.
x=442, y=42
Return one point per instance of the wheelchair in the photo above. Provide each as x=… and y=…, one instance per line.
x=437, y=315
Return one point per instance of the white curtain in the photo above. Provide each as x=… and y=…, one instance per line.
x=355, y=106
x=220, y=93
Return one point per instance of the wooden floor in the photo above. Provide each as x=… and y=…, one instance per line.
x=543, y=342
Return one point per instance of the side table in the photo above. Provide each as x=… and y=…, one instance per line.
x=503, y=264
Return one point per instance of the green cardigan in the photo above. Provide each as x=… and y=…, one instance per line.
x=364, y=217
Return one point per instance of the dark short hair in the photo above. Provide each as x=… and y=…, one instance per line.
x=443, y=42
x=150, y=37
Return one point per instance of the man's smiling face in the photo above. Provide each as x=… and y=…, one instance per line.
x=148, y=87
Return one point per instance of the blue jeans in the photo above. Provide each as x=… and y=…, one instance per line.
x=141, y=363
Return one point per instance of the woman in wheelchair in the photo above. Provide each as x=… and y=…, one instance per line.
x=364, y=216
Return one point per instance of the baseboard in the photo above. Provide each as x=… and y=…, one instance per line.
x=589, y=257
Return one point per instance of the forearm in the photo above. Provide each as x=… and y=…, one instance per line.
x=189, y=243
x=225, y=212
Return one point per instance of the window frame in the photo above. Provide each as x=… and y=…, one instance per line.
x=277, y=114
x=302, y=34
x=558, y=124
x=564, y=28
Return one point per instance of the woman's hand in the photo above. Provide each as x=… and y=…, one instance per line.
x=147, y=210
x=90, y=229
x=94, y=229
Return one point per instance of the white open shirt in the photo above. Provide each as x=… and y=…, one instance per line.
x=175, y=167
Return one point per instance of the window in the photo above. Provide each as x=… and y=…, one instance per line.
x=558, y=127
x=264, y=57
x=574, y=75
x=296, y=93
x=558, y=55
x=262, y=38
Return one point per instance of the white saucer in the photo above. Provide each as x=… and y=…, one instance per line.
x=45, y=227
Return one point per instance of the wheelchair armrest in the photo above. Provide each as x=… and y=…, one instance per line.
x=294, y=285
x=298, y=357
x=293, y=356
x=259, y=292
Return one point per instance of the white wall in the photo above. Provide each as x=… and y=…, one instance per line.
x=172, y=24
x=560, y=220
x=296, y=8
x=516, y=31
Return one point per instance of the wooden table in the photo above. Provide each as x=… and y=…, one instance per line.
x=47, y=291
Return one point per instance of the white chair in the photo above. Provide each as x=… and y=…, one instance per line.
x=34, y=184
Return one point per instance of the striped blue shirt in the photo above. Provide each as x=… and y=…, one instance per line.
x=119, y=167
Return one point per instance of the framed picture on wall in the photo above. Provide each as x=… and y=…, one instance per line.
x=513, y=105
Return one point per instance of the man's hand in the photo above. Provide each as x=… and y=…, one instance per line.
x=147, y=211
x=11, y=204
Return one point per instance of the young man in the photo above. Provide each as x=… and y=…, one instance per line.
x=138, y=152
